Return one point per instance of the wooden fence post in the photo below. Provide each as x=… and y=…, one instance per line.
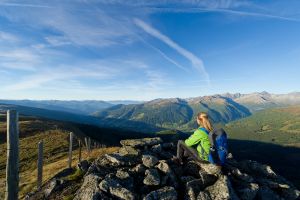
x=86, y=144
x=70, y=150
x=40, y=165
x=79, y=156
x=89, y=143
x=12, y=166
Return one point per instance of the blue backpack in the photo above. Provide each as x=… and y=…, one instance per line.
x=218, y=146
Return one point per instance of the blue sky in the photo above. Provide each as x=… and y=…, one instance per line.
x=142, y=50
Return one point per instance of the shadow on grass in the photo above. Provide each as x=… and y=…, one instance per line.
x=283, y=160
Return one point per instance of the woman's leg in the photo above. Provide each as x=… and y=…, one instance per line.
x=182, y=149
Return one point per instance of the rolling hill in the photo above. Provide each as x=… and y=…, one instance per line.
x=177, y=113
x=276, y=125
x=75, y=107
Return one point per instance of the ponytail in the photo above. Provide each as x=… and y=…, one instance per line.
x=204, y=121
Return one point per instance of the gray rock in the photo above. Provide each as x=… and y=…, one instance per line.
x=290, y=193
x=141, y=142
x=112, y=187
x=265, y=193
x=125, y=179
x=203, y=195
x=139, y=168
x=222, y=189
x=122, y=174
x=248, y=192
x=165, y=155
x=149, y=161
x=193, y=188
x=210, y=168
x=122, y=193
x=164, y=166
x=157, y=148
x=51, y=187
x=89, y=188
x=207, y=179
x=168, y=146
x=253, y=167
x=191, y=168
x=165, y=193
x=118, y=160
x=128, y=150
x=242, y=176
x=83, y=165
x=185, y=179
x=170, y=176
x=152, y=177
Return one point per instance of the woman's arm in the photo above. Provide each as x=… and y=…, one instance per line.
x=194, y=139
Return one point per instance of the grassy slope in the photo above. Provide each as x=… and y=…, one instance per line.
x=55, y=137
x=279, y=126
x=270, y=136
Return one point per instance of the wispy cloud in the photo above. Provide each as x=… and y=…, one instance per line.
x=7, y=37
x=24, y=5
x=226, y=11
x=164, y=55
x=197, y=63
x=49, y=75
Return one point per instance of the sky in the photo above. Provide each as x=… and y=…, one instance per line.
x=142, y=50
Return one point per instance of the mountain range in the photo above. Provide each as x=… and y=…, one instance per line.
x=154, y=115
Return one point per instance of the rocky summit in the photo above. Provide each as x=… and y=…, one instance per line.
x=145, y=169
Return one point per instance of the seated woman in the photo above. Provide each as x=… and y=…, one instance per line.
x=199, y=139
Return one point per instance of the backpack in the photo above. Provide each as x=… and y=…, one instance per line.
x=218, y=146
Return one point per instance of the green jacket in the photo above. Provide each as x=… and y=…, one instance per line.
x=199, y=138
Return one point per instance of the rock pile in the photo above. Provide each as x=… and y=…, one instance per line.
x=145, y=169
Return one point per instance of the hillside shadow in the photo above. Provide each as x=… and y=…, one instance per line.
x=283, y=160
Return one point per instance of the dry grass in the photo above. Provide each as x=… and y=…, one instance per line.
x=55, y=158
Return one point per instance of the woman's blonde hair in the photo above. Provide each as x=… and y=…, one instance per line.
x=205, y=121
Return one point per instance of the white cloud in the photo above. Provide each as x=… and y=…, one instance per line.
x=196, y=62
x=7, y=37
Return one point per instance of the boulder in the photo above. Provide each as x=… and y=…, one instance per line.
x=89, y=188
x=141, y=142
x=191, y=168
x=52, y=186
x=117, y=159
x=164, y=167
x=253, y=167
x=222, y=189
x=152, y=177
x=210, y=168
x=165, y=193
x=242, y=176
x=203, y=195
x=247, y=191
x=156, y=148
x=149, y=161
x=207, y=179
x=168, y=146
x=128, y=150
x=125, y=179
x=122, y=174
x=193, y=188
x=265, y=193
x=112, y=187
x=139, y=169
x=185, y=179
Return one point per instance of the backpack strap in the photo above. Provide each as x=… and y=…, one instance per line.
x=211, y=137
